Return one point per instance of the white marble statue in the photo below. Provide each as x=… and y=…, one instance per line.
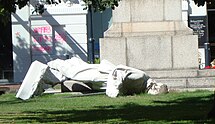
x=116, y=80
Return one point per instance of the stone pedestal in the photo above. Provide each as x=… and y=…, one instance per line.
x=150, y=35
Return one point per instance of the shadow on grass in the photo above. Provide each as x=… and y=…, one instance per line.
x=192, y=109
x=13, y=100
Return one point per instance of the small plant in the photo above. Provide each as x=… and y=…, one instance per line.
x=97, y=60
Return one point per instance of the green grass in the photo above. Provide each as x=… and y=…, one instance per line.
x=174, y=108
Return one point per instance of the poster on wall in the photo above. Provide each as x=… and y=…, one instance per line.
x=42, y=40
x=45, y=39
x=199, y=26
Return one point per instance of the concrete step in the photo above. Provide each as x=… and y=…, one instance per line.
x=205, y=82
x=11, y=88
x=206, y=73
x=182, y=73
x=185, y=79
x=190, y=89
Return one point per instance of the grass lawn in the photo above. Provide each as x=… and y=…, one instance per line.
x=174, y=108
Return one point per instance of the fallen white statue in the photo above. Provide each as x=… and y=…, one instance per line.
x=115, y=80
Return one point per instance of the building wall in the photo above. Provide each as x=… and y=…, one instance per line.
x=60, y=32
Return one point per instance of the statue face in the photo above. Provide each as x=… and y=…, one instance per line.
x=157, y=88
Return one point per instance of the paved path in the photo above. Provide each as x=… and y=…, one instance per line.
x=9, y=88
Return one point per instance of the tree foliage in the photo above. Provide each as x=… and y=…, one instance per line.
x=10, y=6
x=202, y=2
x=101, y=5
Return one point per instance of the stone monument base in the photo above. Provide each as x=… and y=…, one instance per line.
x=152, y=52
x=150, y=35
